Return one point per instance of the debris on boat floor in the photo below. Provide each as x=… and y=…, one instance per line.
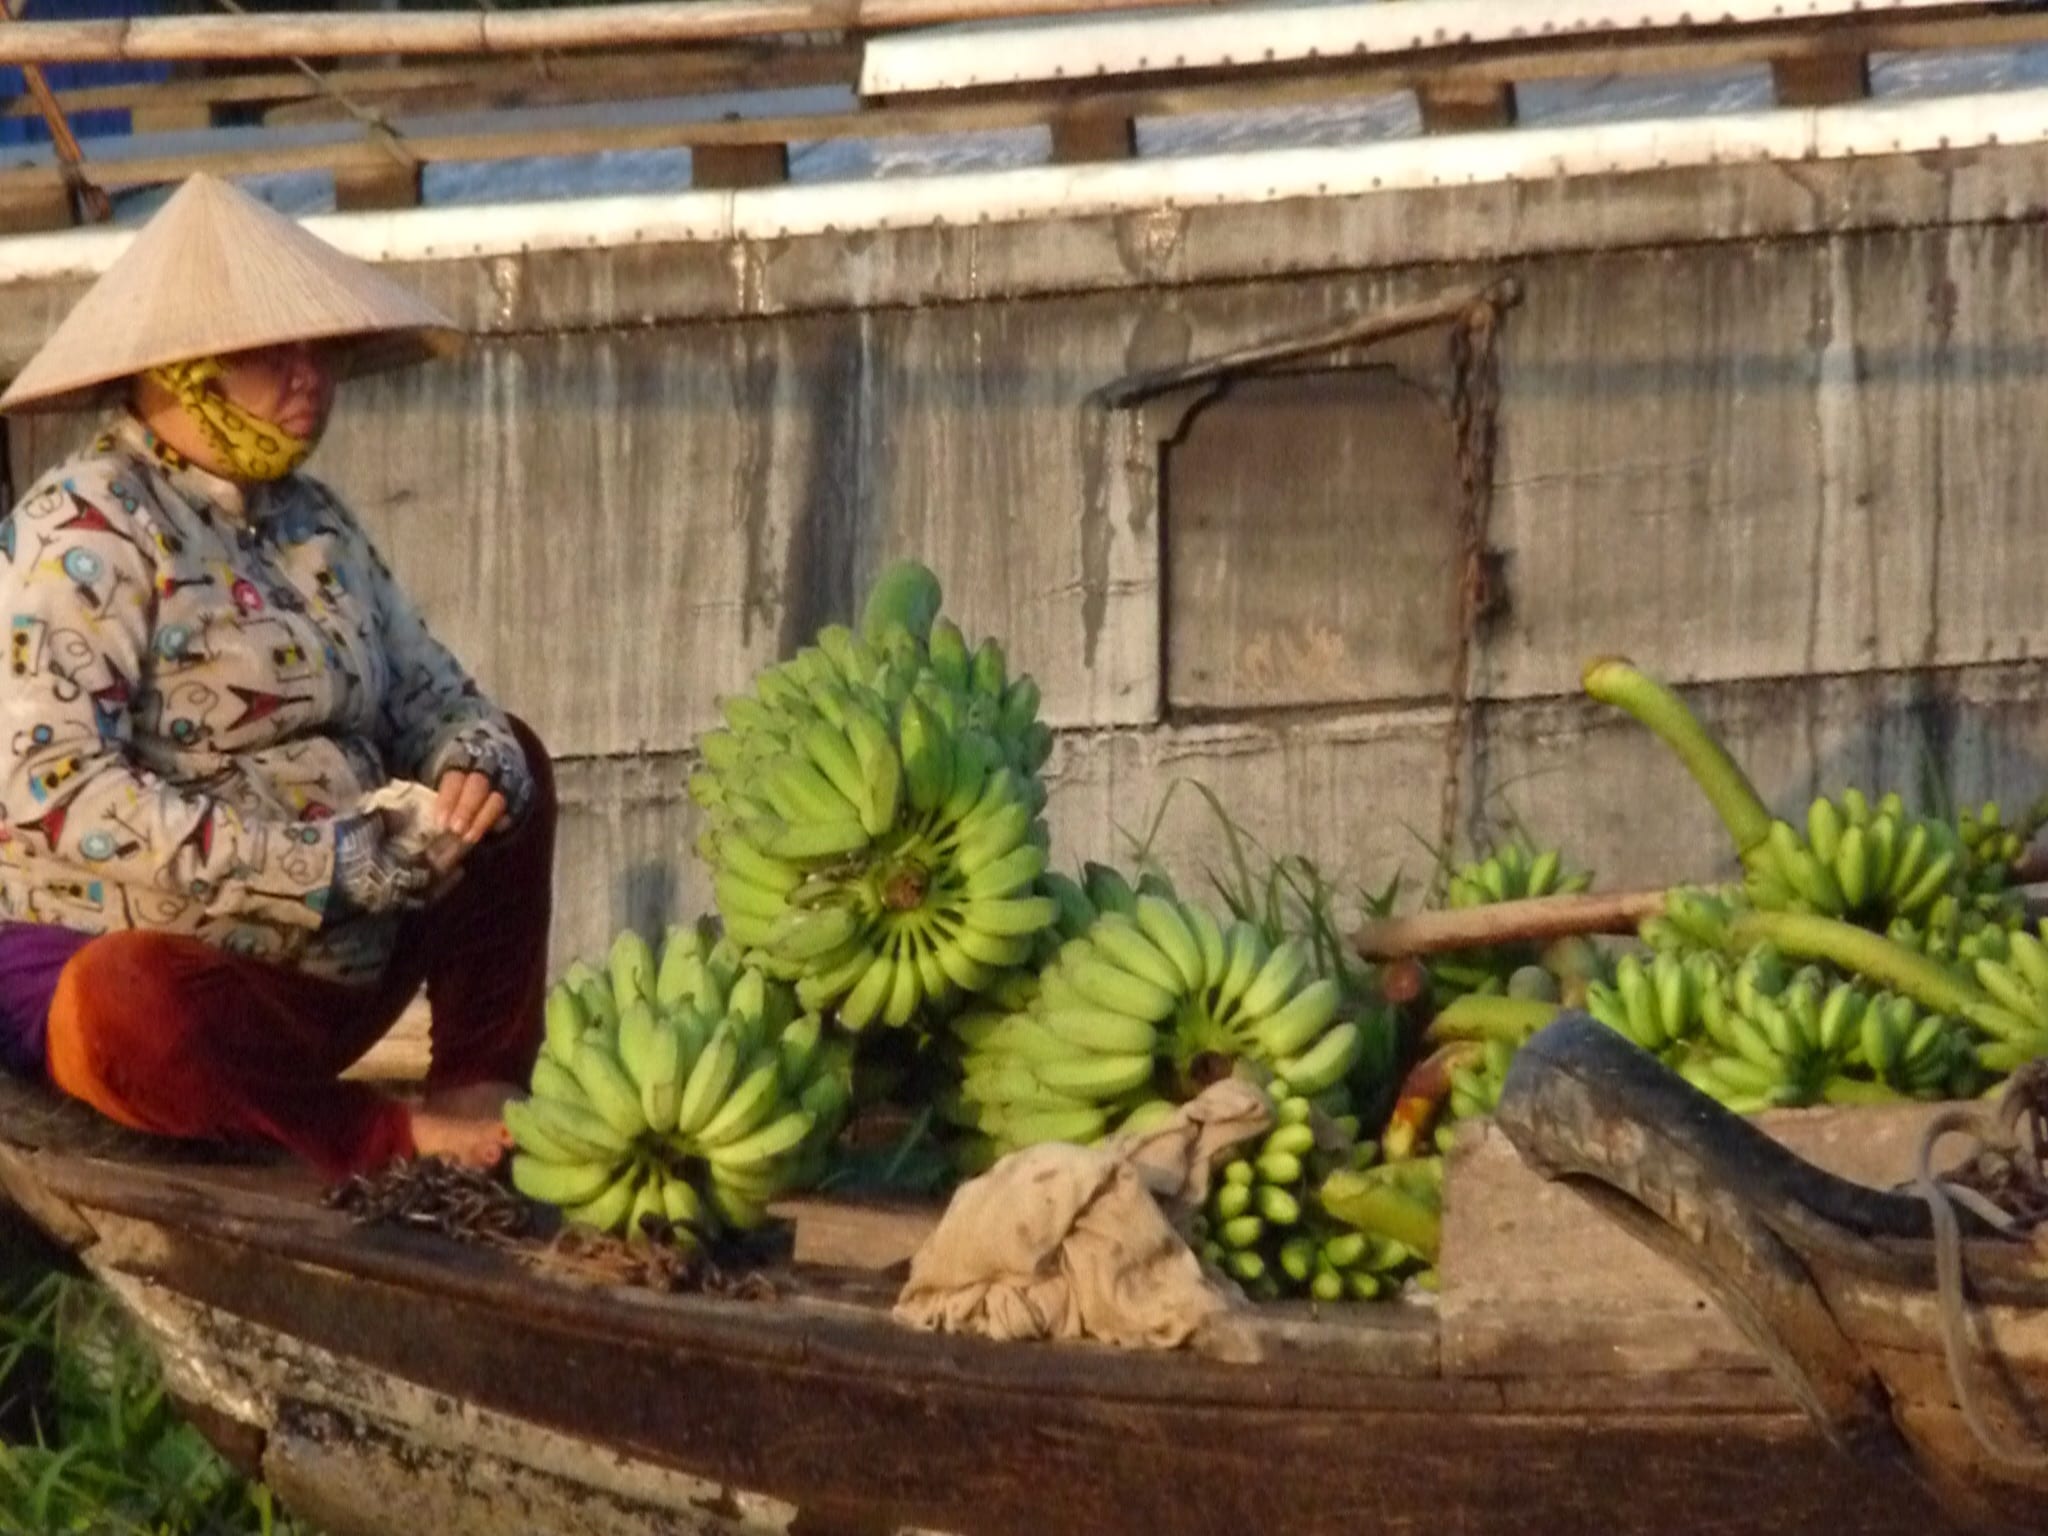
x=469, y=1205
x=577, y=1253
x=434, y=1195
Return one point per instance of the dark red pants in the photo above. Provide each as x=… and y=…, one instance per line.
x=165, y=1033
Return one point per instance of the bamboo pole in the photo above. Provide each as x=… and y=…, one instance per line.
x=1542, y=918
x=91, y=201
x=355, y=34
x=1506, y=922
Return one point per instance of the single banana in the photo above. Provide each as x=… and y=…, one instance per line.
x=1097, y=1078
x=611, y=1092
x=1124, y=943
x=777, y=1139
x=1292, y=1027
x=949, y=655
x=1327, y=1062
x=607, y=1210
x=710, y=1082
x=1009, y=917
x=747, y=1107
x=1005, y=876
x=1276, y=980
x=1824, y=829
x=1099, y=1031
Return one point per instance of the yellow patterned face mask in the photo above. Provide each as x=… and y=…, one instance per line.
x=252, y=448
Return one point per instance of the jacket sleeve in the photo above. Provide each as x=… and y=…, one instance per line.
x=78, y=591
x=434, y=717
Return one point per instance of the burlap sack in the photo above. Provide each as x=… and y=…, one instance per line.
x=1067, y=1242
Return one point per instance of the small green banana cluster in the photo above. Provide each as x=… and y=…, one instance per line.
x=1661, y=1003
x=1775, y=1038
x=1962, y=930
x=1263, y=1227
x=873, y=814
x=1511, y=872
x=1137, y=1013
x=1993, y=845
x=1869, y=864
x=2015, y=1020
x=1398, y=1205
x=681, y=1093
x=1476, y=1082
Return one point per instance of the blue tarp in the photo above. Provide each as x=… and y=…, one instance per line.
x=30, y=130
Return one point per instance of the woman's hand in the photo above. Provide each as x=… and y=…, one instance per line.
x=470, y=804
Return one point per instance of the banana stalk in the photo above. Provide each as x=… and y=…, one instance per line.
x=1616, y=681
x=1859, y=951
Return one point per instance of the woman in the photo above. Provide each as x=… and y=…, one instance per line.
x=208, y=669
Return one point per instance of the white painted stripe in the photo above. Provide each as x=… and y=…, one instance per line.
x=1056, y=192
x=1079, y=48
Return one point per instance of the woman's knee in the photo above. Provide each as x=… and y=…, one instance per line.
x=115, y=1026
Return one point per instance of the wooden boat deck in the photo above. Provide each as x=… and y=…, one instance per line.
x=1567, y=1380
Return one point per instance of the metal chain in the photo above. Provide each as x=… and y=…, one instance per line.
x=1475, y=414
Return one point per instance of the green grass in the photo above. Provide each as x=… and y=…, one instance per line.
x=91, y=1442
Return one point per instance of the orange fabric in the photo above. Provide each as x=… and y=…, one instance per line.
x=165, y=1033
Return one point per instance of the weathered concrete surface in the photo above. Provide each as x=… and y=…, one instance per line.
x=1800, y=468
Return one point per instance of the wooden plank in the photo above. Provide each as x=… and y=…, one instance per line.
x=468, y=84
x=1342, y=1447
x=361, y=34
x=34, y=200
x=1465, y=106
x=1081, y=136
x=844, y=1234
x=394, y=184
x=1538, y=1283
x=148, y=116
x=1821, y=81
x=739, y=165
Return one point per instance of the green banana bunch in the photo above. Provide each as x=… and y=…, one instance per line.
x=1868, y=864
x=1993, y=846
x=1141, y=1010
x=1512, y=871
x=874, y=813
x=2013, y=1021
x=680, y=1093
x=1962, y=930
x=1263, y=1228
x=1398, y=1206
x=1476, y=1084
x=1659, y=1005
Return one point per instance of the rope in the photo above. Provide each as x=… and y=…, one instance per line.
x=2003, y=1183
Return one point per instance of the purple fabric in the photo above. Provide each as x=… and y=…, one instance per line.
x=32, y=955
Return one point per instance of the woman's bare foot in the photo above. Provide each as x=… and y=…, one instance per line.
x=473, y=1141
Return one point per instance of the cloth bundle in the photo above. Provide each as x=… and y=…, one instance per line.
x=1066, y=1242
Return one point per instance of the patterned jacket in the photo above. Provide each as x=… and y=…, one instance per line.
x=197, y=679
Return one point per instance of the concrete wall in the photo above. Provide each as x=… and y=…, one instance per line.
x=1773, y=431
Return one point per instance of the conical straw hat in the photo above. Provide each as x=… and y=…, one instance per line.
x=216, y=272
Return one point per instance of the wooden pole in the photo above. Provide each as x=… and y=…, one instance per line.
x=356, y=34
x=92, y=203
x=1555, y=917
x=1506, y=922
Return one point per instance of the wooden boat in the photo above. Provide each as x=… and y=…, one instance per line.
x=1834, y=1281
x=387, y=1379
